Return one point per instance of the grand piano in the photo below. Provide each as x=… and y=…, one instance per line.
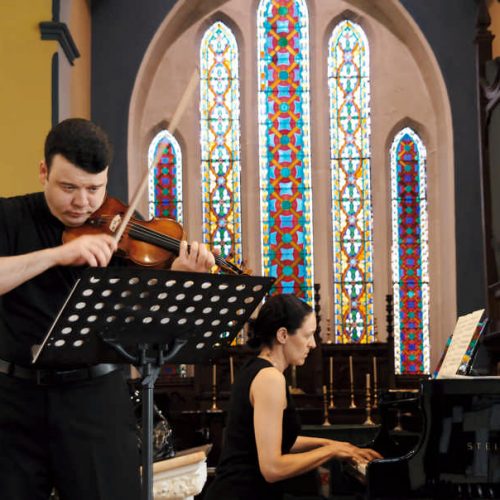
x=449, y=445
x=453, y=450
x=453, y=453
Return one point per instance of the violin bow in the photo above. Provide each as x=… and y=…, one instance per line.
x=181, y=107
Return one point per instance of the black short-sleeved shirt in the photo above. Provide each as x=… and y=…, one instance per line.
x=27, y=312
x=238, y=475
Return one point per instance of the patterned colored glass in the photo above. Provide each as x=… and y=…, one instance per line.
x=220, y=141
x=284, y=145
x=349, y=90
x=410, y=254
x=165, y=179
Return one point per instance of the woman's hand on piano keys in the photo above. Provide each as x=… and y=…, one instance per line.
x=354, y=454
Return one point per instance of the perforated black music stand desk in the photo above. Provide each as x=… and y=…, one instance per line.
x=147, y=318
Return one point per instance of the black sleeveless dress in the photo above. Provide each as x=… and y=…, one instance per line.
x=238, y=476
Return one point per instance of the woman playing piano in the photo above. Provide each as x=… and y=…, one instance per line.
x=262, y=442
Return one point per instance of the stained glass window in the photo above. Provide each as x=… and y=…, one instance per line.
x=349, y=89
x=165, y=179
x=410, y=254
x=284, y=145
x=220, y=140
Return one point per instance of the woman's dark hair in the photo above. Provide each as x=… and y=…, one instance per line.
x=284, y=310
x=81, y=142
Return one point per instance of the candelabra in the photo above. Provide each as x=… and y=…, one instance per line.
x=351, y=379
x=375, y=383
x=368, y=420
x=332, y=404
x=214, y=408
x=326, y=422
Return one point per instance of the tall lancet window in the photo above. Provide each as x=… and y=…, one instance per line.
x=220, y=140
x=284, y=145
x=410, y=254
x=349, y=89
x=165, y=179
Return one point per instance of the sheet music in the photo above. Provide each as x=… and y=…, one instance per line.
x=460, y=340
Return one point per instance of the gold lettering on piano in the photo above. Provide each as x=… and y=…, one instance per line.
x=488, y=446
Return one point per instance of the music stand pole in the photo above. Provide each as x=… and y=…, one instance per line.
x=150, y=369
x=150, y=375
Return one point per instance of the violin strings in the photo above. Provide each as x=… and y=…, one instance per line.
x=139, y=229
x=161, y=238
x=154, y=235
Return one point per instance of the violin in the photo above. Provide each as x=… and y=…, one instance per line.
x=154, y=243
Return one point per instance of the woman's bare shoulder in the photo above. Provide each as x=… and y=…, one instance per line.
x=270, y=375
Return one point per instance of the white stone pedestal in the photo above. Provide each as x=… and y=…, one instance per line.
x=181, y=477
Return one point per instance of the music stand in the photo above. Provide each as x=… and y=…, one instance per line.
x=147, y=318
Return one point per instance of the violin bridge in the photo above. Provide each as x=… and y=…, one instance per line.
x=115, y=223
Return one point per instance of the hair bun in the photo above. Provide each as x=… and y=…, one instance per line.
x=254, y=341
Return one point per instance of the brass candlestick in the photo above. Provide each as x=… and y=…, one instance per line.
x=351, y=378
x=231, y=370
x=214, y=407
x=326, y=422
x=375, y=383
x=332, y=404
x=368, y=420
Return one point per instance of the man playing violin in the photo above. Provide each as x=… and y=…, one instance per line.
x=73, y=430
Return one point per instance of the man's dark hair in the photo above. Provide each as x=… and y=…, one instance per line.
x=81, y=142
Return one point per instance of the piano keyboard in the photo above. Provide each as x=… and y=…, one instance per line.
x=361, y=467
x=357, y=470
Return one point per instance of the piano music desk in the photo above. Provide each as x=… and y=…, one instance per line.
x=353, y=433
